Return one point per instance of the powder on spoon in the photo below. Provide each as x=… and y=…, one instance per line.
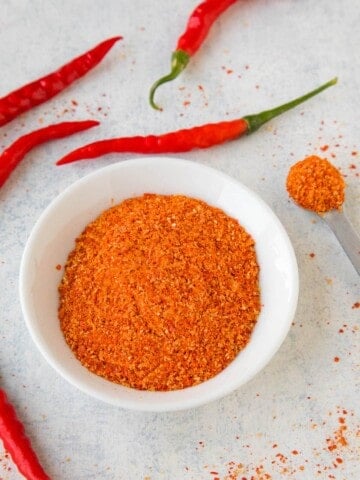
x=315, y=184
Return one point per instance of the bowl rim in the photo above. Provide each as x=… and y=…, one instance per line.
x=149, y=405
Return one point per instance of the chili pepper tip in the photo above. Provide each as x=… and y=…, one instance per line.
x=179, y=60
x=113, y=40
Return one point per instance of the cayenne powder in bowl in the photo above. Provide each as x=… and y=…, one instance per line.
x=315, y=184
x=161, y=292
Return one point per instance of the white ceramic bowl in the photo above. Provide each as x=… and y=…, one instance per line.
x=64, y=219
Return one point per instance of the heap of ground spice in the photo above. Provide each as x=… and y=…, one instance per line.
x=315, y=184
x=160, y=292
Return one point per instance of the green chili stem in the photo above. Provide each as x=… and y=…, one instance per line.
x=179, y=60
x=257, y=120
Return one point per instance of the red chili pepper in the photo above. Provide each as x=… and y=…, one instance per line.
x=187, y=139
x=197, y=28
x=13, y=155
x=15, y=441
x=44, y=88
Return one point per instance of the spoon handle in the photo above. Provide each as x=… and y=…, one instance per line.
x=346, y=234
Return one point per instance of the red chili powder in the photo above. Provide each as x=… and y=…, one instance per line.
x=315, y=184
x=160, y=292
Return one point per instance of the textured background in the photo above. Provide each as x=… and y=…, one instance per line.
x=285, y=422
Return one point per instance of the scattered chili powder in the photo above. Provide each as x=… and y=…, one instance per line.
x=337, y=448
x=338, y=440
x=315, y=184
x=160, y=292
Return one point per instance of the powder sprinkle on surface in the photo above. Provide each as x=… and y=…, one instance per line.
x=161, y=292
x=315, y=184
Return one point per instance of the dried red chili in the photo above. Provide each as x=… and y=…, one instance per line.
x=15, y=441
x=187, y=139
x=12, y=156
x=197, y=28
x=42, y=89
x=160, y=292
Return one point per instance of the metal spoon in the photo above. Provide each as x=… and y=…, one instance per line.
x=346, y=234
